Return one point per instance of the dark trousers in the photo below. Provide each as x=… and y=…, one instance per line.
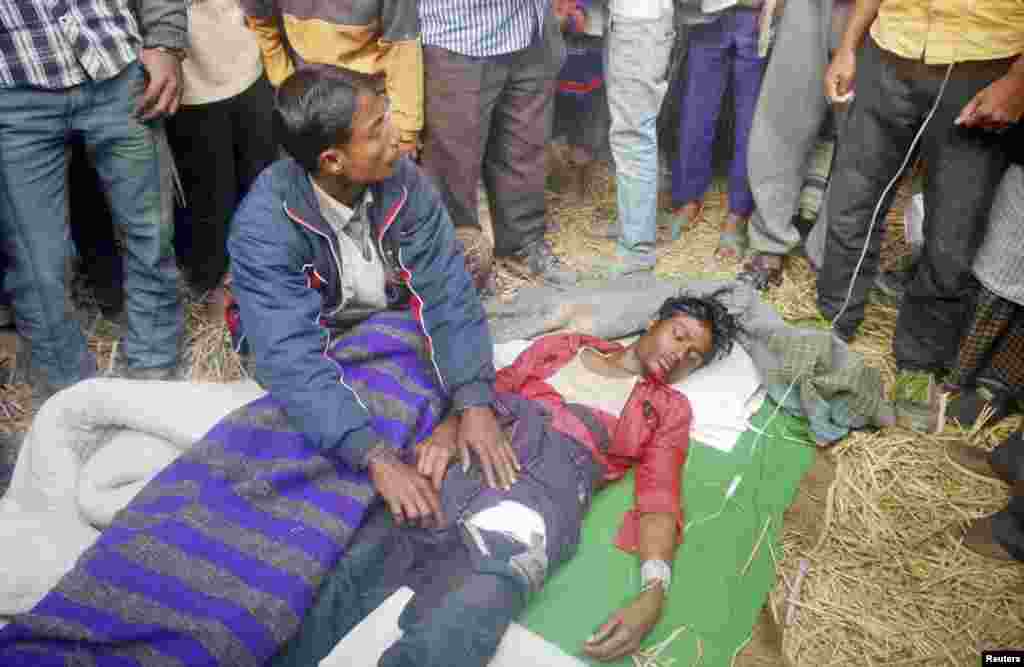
x=964, y=169
x=1008, y=525
x=492, y=116
x=467, y=595
x=220, y=148
x=723, y=50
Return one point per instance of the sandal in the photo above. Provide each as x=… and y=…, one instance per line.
x=732, y=243
x=679, y=222
x=760, y=274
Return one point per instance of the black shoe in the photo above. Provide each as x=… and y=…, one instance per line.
x=109, y=299
x=889, y=288
x=542, y=262
x=968, y=405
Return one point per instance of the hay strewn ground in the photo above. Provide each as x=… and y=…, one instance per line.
x=884, y=584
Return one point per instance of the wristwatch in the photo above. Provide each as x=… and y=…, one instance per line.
x=655, y=573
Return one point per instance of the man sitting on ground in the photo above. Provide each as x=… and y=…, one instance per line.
x=347, y=229
x=580, y=412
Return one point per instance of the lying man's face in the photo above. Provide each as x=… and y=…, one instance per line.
x=674, y=347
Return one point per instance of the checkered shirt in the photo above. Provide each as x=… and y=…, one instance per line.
x=57, y=44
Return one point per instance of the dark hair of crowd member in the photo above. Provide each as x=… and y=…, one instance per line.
x=725, y=328
x=314, y=108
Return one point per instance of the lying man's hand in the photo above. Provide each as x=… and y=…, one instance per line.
x=409, y=495
x=434, y=454
x=622, y=633
x=479, y=432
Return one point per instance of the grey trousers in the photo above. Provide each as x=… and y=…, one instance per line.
x=965, y=167
x=492, y=116
x=782, y=141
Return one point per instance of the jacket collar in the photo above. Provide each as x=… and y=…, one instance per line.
x=302, y=206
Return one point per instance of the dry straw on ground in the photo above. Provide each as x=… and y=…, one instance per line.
x=886, y=584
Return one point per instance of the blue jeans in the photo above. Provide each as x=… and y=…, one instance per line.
x=718, y=51
x=35, y=129
x=637, y=68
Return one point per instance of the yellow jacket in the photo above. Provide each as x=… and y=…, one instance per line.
x=939, y=32
x=370, y=36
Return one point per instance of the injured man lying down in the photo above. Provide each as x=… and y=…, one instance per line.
x=243, y=544
x=579, y=412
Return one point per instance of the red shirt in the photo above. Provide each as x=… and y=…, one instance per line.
x=651, y=435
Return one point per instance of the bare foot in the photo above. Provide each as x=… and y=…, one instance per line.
x=732, y=237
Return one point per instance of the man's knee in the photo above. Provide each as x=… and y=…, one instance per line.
x=509, y=539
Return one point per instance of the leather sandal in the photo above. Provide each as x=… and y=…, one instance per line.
x=679, y=221
x=732, y=244
x=759, y=273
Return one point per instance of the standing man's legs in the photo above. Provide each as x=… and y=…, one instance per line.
x=965, y=166
x=514, y=165
x=201, y=139
x=747, y=73
x=881, y=125
x=130, y=159
x=458, y=105
x=707, y=72
x=638, y=53
x=513, y=161
x=34, y=133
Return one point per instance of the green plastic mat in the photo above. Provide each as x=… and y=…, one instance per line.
x=709, y=595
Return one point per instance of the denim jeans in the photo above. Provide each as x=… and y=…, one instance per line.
x=35, y=129
x=637, y=66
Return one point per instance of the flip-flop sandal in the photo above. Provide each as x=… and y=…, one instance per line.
x=732, y=244
x=759, y=274
x=679, y=222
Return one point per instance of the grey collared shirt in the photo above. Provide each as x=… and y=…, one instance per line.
x=363, y=276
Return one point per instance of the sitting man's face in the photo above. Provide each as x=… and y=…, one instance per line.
x=674, y=347
x=372, y=149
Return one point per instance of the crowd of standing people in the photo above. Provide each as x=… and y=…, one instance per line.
x=167, y=108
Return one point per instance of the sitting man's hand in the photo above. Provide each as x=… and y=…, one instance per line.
x=479, y=432
x=409, y=495
x=434, y=454
x=622, y=633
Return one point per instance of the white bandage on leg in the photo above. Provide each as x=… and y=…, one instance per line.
x=521, y=524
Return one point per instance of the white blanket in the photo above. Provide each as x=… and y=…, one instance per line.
x=91, y=448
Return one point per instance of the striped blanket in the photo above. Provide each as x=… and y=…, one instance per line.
x=217, y=559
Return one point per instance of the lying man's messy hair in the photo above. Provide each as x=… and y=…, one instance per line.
x=725, y=328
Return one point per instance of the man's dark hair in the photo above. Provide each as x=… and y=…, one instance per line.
x=724, y=326
x=314, y=110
